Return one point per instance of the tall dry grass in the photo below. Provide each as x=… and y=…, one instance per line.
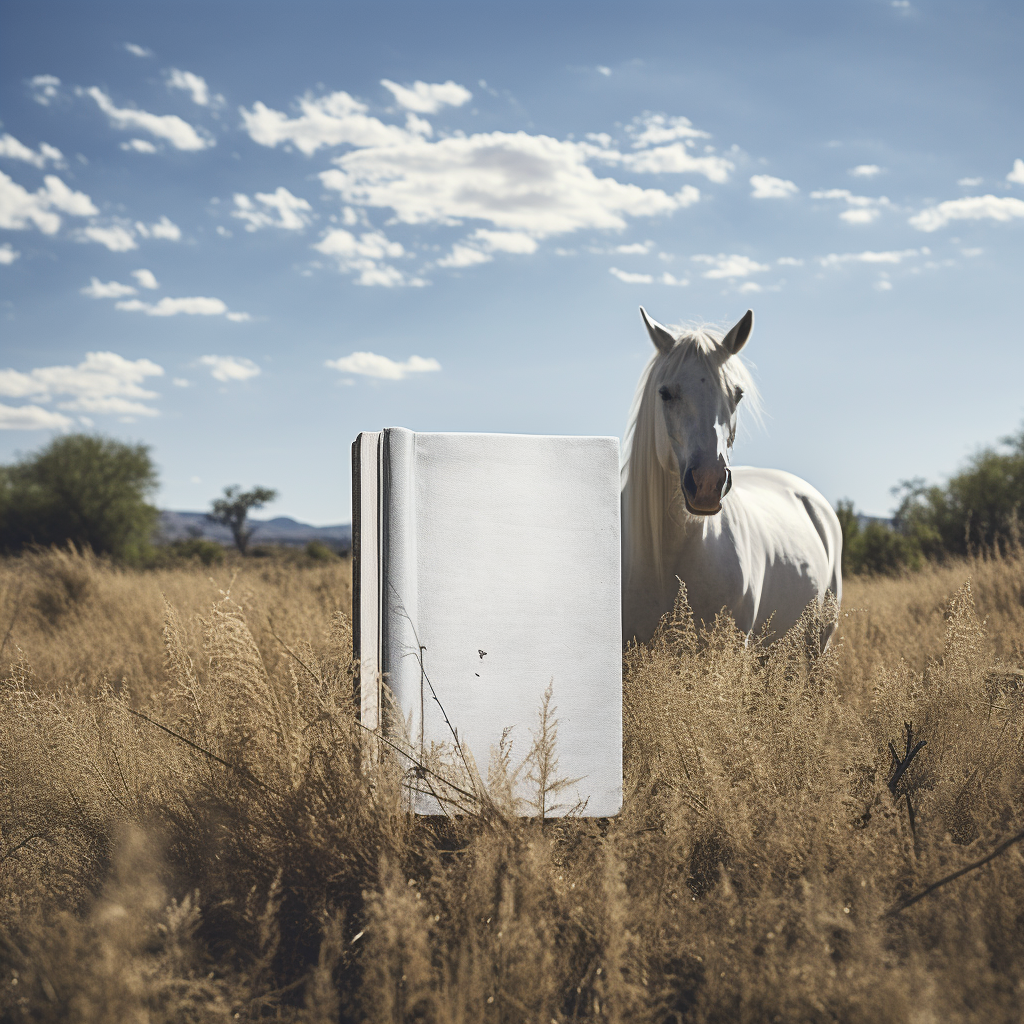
x=258, y=865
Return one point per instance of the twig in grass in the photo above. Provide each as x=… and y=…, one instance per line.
x=241, y=770
x=928, y=890
x=902, y=764
x=27, y=839
x=14, y=617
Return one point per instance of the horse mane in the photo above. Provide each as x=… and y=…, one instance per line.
x=647, y=489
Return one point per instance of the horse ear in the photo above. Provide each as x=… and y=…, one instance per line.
x=663, y=341
x=737, y=337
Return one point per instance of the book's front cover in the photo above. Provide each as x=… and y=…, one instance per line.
x=502, y=577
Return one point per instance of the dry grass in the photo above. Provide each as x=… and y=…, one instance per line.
x=258, y=866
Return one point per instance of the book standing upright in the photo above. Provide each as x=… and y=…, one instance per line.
x=486, y=570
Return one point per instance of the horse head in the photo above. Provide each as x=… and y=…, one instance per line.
x=698, y=400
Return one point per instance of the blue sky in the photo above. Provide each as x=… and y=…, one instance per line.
x=243, y=232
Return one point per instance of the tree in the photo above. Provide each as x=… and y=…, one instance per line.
x=80, y=488
x=231, y=511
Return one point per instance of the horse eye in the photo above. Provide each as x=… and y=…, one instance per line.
x=739, y=394
x=666, y=395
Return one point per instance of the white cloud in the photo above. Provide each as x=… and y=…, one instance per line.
x=181, y=382
x=679, y=282
x=891, y=256
x=1016, y=175
x=169, y=127
x=969, y=182
x=138, y=51
x=657, y=129
x=111, y=290
x=327, y=121
x=602, y=70
x=749, y=286
x=505, y=241
x=883, y=285
x=971, y=253
x=103, y=383
x=724, y=266
x=192, y=306
x=672, y=159
x=145, y=278
x=862, y=209
x=19, y=207
x=44, y=88
x=139, y=146
x=11, y=148
x=971, y=208
x=115, y=238
x=630, y=278
x=164, y=228
x=227, y=368
x=362, y=255
x=189, y=83
x=292, y=212
x=32, y=417
x=635, y=248
x=789, y=261
x=369, y=364
x=424, y=98
x=528, y=183
x=865, y=170
x=8, y=254
x=464, y=256
x=767, y=187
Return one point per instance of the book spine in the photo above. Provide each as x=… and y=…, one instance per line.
x=401, y=655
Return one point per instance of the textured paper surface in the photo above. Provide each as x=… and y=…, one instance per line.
x=501, y=556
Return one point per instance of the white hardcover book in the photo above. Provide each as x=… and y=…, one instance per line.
x=486, y=569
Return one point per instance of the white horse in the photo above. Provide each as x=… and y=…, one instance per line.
x=760, y=543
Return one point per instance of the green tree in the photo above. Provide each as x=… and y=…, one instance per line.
x=980, y=508
x=81, y=488
x=233, y=509
x=875, y=548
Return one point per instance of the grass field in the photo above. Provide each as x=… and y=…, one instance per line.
x=257, y=865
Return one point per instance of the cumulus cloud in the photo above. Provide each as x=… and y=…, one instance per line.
x=170, y=127
x=32, y=417
x=104, y=383
x=657, y=129
x=325, y=121
x=363, y=255
x=11, y=148
x=789, y=261
x=988, y=207
x=189, y=83
x=767, y=187
x=724, y=266
x=670, y=279
x=464, y=256
x=164, y=228
x=293, y=213
x=1016, y=174
x=116, y=238
x=19, y=208
x=891, y=256
x=369, y=364
x=861, y=209
x=44, y=88
x=192, y=306
x=865, y=170
x=138, y=51
x=425, y=98
x=529, y=183
x=8, y=254
x=228, y=368
x=969, y=182
x=96, y=289
x=630, y=278
x=505, y=241
x=138, y=146
x=145, y=278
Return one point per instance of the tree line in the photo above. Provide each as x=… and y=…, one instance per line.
x=95, y=492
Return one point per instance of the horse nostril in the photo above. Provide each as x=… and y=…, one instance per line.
x=689, y=485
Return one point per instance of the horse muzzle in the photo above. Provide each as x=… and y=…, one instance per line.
x=703, y=491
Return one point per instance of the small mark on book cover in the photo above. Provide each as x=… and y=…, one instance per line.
x=481, y=653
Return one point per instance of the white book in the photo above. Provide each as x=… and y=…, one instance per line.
x=486, y=570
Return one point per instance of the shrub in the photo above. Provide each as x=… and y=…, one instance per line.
x=87, y=490
x=318, y=551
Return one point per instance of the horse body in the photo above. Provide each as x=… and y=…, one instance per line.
x=760, y=543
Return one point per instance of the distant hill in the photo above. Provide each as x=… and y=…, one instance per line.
x=282, y=530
